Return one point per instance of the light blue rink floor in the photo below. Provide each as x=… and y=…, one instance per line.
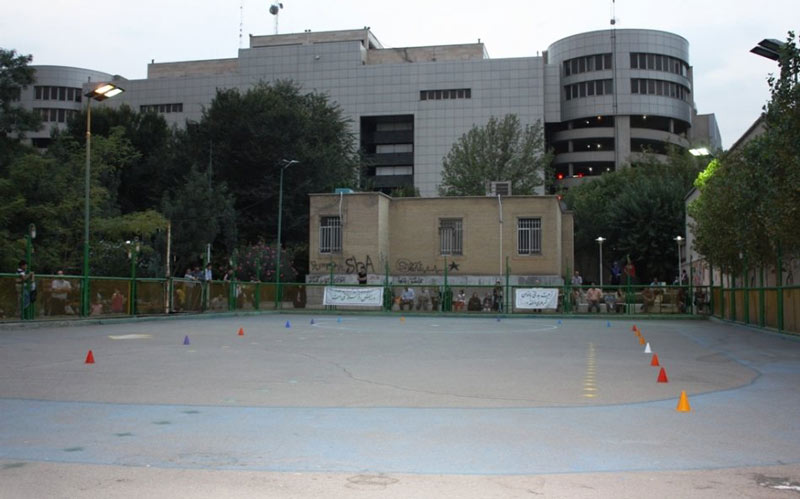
x=756, y=423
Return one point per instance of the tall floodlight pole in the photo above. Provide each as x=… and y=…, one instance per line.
x=600, y=240
x=679, y=240
x=285, y=163
x=100, y=93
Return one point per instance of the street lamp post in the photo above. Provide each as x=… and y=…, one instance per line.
x=679, y=240
x=133, y=253
x=600, y=243
x=285, y=163
x=100, y=93
x=28, y=311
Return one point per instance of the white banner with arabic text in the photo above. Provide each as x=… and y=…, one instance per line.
x=355, y=297
x=536, y=298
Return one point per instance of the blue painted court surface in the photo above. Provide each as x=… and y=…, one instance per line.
x=420, y=395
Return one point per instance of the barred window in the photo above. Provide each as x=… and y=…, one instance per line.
x=529, y=236
x=451, y=236
x=330, y=235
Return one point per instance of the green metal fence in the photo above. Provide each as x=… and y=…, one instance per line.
x=775, y=308
x=60, y=297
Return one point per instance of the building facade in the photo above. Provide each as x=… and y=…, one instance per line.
x=602, y=96
x=57, y=96
x=622, y=93
x=474, y=240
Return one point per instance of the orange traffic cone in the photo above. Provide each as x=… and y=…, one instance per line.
x=402, y=319
x=634, y=328
x=641, y=340
x=241, y=331
x=89, y=358
x=654, y=361
x=683, y=403
x=662, y=376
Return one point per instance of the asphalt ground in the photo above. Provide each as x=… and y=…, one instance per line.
x=374, y=406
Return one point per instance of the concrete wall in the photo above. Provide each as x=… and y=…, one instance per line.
x=404, y=233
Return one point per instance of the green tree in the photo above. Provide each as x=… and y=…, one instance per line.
x=639, y=210
x=749, y=203
x=48, y=191
x=158, y=164
x=15, y=75
x=247, y=134
x=501, y=150
x=201, y=212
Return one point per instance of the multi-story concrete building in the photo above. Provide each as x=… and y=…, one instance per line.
x=418, y=240
x=57, y=95
x=603, y=96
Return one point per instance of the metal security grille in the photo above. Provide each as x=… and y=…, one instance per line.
x=330, y=235
x=529, y=236
x=450, y=236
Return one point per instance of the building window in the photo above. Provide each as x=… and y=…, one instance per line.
x=529, y=236
x=45, y=92
x=55, y=115
x=330, y=235
x=658, y=62
x=584, y=64
x=588, y=89
x=394, y=148
x=456, y=93
x=162, y=108
x=644, y=86
x=451, y=236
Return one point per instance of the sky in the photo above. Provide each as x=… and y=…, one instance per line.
x=122, y=38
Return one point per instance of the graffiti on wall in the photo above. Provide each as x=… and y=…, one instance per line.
x=351, y=265
x=406, y=266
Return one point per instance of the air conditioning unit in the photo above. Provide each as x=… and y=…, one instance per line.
x=499, y=188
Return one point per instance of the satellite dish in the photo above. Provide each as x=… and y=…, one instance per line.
x=275, y=8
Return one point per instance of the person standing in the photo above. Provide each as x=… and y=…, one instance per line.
x=616, y=274
x=362, y=276
x=26, y=285
x=497, y=296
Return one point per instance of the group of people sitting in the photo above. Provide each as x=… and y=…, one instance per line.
x=430, y=300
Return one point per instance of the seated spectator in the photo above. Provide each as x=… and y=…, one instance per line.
x=611, y=302
x=460, y=301
x=97, y=306
x=436, y=298
x=117, y=302
x=424, y=300
x=59, y=289
x=648, y=299
x=474, y=304
x=700, y=300
x=487, y=302
x=407, y=299
x=620, y=301
x=593, y=296
x=680, y=299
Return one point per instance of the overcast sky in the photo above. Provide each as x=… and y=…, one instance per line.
x=122, y=37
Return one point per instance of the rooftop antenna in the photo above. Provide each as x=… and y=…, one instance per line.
x=613, y=12
x=275, y=9
x=241, y=21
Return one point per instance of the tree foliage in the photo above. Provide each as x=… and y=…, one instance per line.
x=501, y=150
x=750, y=198
x=15, y=75
x=248, y=134
x=639, y=210
x=201, y=212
